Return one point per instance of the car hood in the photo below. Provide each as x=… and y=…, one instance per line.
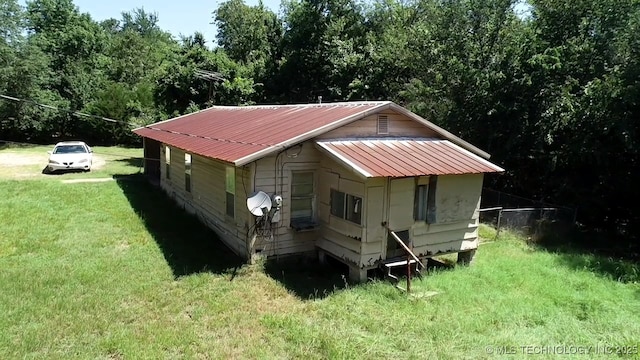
x=69, y=157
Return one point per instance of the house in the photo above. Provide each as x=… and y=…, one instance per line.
x=348, y=174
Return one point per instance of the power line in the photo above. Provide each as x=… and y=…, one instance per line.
x=77, y=113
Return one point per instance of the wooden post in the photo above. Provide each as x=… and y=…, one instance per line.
x=499, y=219
x=408, y=273
x=410, y=246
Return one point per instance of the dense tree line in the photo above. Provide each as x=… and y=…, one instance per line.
x=553, y=93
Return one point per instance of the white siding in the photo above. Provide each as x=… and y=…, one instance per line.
x=456, y=227
x=273, y=176
x=401, y=197
x=399, y=125
x=208, y=195
x=342, y=238
x=385, y=200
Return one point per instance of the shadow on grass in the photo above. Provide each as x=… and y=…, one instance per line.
x=188, y=246
x=131, y=161
x=307, y=278
x=590, y=251
x=46, y=171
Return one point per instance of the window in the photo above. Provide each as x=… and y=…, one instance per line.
x=187, y=172
x=420, y=203
x=230, y=185
x=425, y=201
x=167, y=161
x=345, y=206
x=383, y=125
x=302, y=197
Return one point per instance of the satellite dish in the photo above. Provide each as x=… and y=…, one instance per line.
x=259, y=204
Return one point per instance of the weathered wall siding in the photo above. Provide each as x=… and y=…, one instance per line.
x=207, y=197
x=337, y=249
x=176, y=182
x=441, y=237
x=345, y=227
x=457, y=201
x=458, y=197
x=372, y=248
x=399, y=125
x=401, y=198
x=375, y=199
x=339, y=237
x=448, y=247
x=303, y=242
x=456, y=227
x=244, y=219
x=273, y=176
x=422, y=228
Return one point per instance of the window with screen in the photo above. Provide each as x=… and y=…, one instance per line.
x=302, y=197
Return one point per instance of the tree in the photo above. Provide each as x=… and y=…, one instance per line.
x=252, y=37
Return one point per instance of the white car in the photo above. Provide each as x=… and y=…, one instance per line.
x=70, y=155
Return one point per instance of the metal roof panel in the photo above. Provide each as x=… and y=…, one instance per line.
x=233, y=134
x=407, y=157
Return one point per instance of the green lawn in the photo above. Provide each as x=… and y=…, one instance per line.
x=114, y=270
x=27, y=162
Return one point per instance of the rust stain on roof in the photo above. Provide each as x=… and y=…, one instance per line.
x=406, y=157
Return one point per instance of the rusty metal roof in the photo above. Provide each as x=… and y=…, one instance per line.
x=240, y=135
x=406, y=157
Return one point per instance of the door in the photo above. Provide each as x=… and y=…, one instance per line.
x=401, y=198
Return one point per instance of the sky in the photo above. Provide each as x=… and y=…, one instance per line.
x=178, y=17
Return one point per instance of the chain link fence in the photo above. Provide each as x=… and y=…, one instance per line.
x=503, y=210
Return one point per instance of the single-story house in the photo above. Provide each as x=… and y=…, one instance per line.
x=346, y=174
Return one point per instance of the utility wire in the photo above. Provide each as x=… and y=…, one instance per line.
x=77, y=113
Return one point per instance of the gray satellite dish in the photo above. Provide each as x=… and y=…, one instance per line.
x=259, y=204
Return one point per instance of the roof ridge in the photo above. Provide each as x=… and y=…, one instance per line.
x=306, y=105
x=386, y=138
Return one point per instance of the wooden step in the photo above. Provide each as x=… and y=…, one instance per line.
x=398, y=263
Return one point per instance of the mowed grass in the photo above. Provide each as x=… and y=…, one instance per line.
x=28, y=161
x=114, y=270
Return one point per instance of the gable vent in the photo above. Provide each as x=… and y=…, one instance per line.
x=383, y=125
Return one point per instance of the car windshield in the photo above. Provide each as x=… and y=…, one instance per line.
x=70, y=149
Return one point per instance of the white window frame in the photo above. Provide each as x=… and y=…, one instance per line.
x=348, y=205
x=311, y=196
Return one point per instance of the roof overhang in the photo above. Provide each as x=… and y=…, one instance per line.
x=406, y=157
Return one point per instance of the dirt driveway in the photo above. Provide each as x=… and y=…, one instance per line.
x=24, y=165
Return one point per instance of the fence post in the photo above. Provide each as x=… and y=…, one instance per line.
x=499, y=220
